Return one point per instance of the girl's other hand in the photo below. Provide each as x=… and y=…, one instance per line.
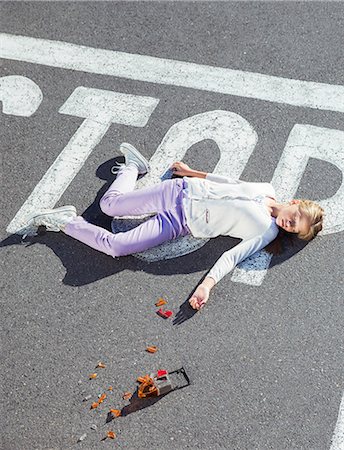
x=200, y=297
x=181, y=169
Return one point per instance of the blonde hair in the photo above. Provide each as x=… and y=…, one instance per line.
x=315, y=214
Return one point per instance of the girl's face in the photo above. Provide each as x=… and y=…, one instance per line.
x=291, y=219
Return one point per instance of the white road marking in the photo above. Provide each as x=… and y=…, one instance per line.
x=338, y=435
x=236, y=140
x=304, y=142
x=19, y=95
x=150, y=69
x=100, y=109
x=253, y=269
x=109, y=107
x=157, y=70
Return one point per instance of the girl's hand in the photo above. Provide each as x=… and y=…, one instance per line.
x=181, y=169
x=199, y=297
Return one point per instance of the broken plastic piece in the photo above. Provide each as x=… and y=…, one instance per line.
x=160, y=302
x=165, y=314
x=92, y=376
x=102, y=398
x=81, y=438
x=127, y=395
x=161, y=373
x=115, y=412
x=111, y=435
x=100, y=365
x=145, y=379
x=146, y=388
x=152, y=349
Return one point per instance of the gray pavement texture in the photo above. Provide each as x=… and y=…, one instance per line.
x=266, y=363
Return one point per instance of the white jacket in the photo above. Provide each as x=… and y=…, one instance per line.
x=224, y=206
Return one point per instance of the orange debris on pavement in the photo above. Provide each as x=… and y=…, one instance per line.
x=161, y=302
x=152, y=349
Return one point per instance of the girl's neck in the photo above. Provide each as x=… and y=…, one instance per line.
x=274, y=207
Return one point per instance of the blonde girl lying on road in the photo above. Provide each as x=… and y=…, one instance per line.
x=201, y=204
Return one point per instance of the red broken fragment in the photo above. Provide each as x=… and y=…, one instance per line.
x=161, y=373
x=165, y=314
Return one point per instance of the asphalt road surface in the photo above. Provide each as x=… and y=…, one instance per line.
x=265, y=359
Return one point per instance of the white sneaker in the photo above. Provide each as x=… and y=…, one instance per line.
x=52, y=219
x=133, y=156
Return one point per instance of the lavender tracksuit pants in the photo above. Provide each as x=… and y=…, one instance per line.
x=164, y=199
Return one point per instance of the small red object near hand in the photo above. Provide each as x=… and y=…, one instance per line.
x=164, y=314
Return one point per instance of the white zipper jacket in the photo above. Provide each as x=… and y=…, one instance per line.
x=224, y=206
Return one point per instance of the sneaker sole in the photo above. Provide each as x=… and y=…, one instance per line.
x=135, y=152
x=43, y=212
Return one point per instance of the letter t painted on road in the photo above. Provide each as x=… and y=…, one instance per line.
x=100, y=109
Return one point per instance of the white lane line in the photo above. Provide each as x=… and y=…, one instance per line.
x=19, y=95
x=171, y=72
x=338, y=434
x=100, y=109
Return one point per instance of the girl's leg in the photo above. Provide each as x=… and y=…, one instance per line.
x=121, y=199
x=156, y=230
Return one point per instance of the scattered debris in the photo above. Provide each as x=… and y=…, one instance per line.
x=127, y=395
x=100, y=365
x=92, y=376
x=94, y=405
x=94, y=427
x=111, y=435
x=88, y=397
x=162, y=382
x=115, y=412
x=146, y=388
x=165, y=314
x=102, y=398
x=152, y=349
x=110, y=388
x=160, y=302
x=83, y=437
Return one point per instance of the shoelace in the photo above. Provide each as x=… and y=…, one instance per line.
x=116, y=168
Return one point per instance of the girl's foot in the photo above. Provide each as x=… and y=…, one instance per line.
x=132, y=156
x=53, y=219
